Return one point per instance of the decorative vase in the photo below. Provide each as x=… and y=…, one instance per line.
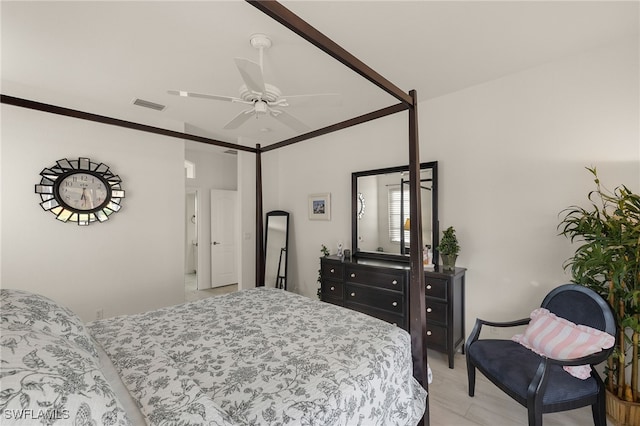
x=449, y=261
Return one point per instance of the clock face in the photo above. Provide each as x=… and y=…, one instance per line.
x=80, y=191
x=83, y=191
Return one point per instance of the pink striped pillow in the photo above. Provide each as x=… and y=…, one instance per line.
x=555, y=337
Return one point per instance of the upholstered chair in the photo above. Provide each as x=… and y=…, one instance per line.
x=529, y=374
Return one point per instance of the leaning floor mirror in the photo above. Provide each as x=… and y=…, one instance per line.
x=276, y=241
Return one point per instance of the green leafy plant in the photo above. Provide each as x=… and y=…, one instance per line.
x=325, y=252
x=607, y=260
x=449, y=242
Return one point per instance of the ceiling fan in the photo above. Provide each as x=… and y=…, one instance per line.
x=264, y=98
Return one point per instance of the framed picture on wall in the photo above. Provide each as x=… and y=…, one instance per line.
x=320, y=206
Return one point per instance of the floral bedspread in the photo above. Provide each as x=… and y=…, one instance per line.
x=264, y=357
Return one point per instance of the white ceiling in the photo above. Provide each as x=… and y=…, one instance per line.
x=99, y=56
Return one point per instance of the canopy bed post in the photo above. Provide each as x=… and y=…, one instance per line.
x=259, y=224
x=417, y=308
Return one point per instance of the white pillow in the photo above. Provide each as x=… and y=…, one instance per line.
x=22, y=310
x=47, y=377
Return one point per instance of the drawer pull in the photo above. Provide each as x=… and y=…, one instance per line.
x=428, y=286
x=394, y=304
x=333, y=288
x=353, y=294
x=394, y=282
x=428, y=309
x=332, y=270
x=428, y=332
x=353, y=275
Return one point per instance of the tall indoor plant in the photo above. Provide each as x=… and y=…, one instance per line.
x=607, y=260
x=449, y=248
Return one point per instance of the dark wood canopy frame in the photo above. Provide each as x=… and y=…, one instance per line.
x=408, y=102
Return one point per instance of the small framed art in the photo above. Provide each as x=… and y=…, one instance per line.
x=320, y=206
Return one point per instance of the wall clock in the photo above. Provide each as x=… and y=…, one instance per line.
x=80, y=191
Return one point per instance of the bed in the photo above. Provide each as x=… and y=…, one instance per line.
x=260, y=356
x=408, y=102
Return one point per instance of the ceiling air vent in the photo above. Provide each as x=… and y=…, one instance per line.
x=148, y=104
x=231, y=151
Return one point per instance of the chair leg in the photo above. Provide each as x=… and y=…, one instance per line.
x=535, y=416
x=471, y=375
x=599, y=409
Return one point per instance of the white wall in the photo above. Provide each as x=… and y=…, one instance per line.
x=214, y=170
x=511, y=155
x=322, y=165
x=131, y=263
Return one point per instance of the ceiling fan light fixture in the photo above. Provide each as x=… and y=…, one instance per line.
x=260, y=107
x=261, y=96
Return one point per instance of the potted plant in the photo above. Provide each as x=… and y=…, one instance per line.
x=449, y=249
x=325, y=252
x=608, y=261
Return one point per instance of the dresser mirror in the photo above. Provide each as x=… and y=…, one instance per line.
x=381, y=231
x=276, y=240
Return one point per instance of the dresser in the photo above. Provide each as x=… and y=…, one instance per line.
x=380, y=288
x=444, y=292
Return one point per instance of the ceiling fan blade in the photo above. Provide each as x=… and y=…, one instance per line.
x=317, y=100
x=289, y=120
x=205, y=96
x=239, y=119
x=251, y=73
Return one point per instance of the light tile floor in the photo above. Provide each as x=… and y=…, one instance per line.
x=191, y=293
x=451, y=405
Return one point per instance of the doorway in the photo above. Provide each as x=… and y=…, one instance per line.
x=191, y=241
x=224, y=238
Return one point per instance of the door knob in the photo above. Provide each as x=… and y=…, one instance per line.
x=215, y=243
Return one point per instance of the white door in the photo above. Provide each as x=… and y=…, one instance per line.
x=224, y=237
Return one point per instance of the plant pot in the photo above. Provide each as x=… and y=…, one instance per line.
x=449, y=261
x=623, y=412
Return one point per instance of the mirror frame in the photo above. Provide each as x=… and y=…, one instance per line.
x=277, y=213
x=433, y=165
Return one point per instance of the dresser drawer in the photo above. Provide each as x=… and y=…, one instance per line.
x=435, y=287
x=374, y=277
x=332, y=289
x=436, y=337
x=387, y=316
x=436, y=312
x=380, y=299
x=331, y=270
